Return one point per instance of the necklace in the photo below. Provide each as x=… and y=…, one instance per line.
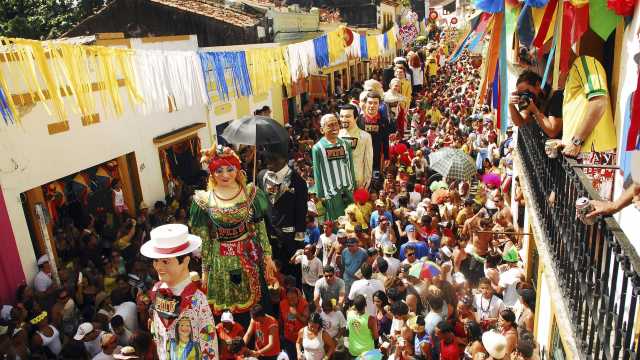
x=231, y=198
x=488, y=306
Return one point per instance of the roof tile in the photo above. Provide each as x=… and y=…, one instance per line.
x=215, y=11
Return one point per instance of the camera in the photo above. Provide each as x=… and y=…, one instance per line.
x=524, y=99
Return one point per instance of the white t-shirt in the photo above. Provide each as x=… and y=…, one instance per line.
x=487, y=309
x=327, y=242
x=311, y=269
x=42, y=281
x=102, y=356
x=394, y=266
x=129, y=313
x=366, y=288
x=509, y=281
x=333, y=322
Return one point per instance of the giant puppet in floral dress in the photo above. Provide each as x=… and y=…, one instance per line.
x=230, y=219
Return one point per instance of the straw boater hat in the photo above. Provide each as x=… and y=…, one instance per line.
x=169, y=241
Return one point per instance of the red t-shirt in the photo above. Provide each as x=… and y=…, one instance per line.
x=225, y=339
x=290, y=322
x=262, y=330
x=449, y=351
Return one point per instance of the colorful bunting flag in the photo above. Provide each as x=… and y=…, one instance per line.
x=605, y=22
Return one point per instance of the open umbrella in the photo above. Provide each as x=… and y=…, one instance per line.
x=415, y=269
x=453, y=164
x=255, y=130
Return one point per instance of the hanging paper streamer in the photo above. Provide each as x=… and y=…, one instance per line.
x=5, y=109
x=604, y=20
x=526, y=28
x=634, y=129
x=302, y=59
x=364, y=51
x=354, y=50
x=385, y=41
x=545, y=25
x=321, y=48
x=391, y=37
x=503, y=114
x=215, y=66
x=267, y=66
x=622, y=7
x=549, y=60
x=336, y=46
x=575, y=23
x=536, y=3
x=490, y=6
x=372, y=46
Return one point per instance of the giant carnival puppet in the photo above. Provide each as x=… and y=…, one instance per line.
x=361, y=145
x=182, y=324
x=375, y=121
x=333, y=168
x=230, y=219
x=288, y=195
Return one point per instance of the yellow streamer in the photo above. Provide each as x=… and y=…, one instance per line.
x=391, y=37
x=336, y=43
x=12, y=106
x=267, y=67
x=372, y=47
x=74, y=71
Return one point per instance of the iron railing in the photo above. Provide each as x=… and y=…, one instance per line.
x=596, y=265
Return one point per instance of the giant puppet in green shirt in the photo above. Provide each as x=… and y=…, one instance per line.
x=333, y=168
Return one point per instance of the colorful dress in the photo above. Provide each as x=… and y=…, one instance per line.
x=234, y=241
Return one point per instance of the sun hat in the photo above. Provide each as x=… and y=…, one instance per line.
x=227, y=317
x=126, y=353
x=169, y=241
x=389, y=249
x=495, y=344
x=43, y=259
x=511, y=255
x=83, y=330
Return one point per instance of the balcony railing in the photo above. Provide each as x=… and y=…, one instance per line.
x=596, y=265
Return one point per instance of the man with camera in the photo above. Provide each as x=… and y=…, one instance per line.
x=525, y=104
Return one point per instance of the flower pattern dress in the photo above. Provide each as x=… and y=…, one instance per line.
x=234, y=243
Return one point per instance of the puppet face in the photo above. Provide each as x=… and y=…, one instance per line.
x=225, y=175
x=371, y=106
x=170, y=271
x=331, y=128
x=347, y=119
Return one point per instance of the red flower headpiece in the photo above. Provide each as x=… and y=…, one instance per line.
x=222, y=157
x=361, y=195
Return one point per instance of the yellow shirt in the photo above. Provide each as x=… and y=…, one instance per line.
x=435, y=115
x=406, y=89
x=585, y=81
x=360, y=216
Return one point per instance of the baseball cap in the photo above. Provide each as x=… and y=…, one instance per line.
x=227, y=317
x=434, y=239
x=126, y=353
x=372, y=251
x=83, y=330
x=43, y=259
x=410, y=228
x=341, y=233
x=511, y=255
x=351, y=241
x=389, y=249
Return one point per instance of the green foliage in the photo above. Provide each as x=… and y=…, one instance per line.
x=43, y=19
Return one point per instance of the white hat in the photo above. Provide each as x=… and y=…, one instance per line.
x=169, y=241
x=5, y=313
x=391, y=97
x=43, y=259
x=227, y=317
x=495, y=343
x=126, y=353
x=83, y=330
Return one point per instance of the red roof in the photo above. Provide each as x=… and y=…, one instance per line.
x=212, y=10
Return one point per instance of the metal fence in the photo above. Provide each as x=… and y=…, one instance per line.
x=596, y=265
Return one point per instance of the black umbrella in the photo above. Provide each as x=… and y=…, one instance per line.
x=255, y=130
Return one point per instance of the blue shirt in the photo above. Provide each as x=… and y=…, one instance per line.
x=352, y=263
x=433, y=254
x=373, y=222
x=422, y=249
x=311, y=236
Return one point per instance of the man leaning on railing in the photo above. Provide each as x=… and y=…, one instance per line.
x=632, y=194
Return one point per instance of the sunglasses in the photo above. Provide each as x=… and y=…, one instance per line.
x=411, y=254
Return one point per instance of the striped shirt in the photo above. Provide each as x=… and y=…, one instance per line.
x=332, y=167
x=587, y=80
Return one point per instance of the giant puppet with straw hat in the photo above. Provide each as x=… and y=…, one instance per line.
x=182, y=323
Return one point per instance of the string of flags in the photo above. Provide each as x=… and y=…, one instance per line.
x=154, y=80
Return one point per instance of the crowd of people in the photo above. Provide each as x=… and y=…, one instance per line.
x=419, y=266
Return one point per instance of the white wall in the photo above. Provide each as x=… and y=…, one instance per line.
x=629, y=217
x=544, y=313
x=31, y=157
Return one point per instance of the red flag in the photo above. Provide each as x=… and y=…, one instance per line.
x=634, y=127
x=545, y=24
x=575, y=23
